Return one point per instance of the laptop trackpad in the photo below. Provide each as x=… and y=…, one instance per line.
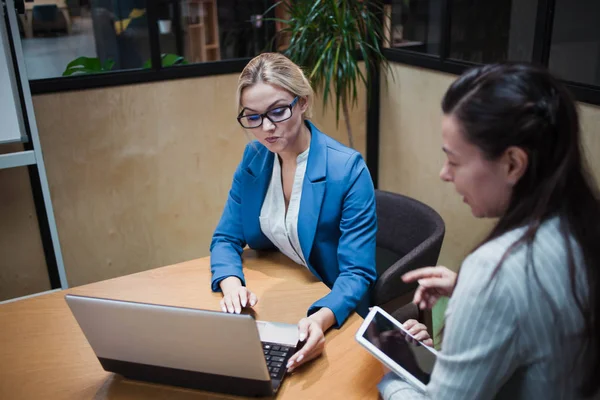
x=276, y=332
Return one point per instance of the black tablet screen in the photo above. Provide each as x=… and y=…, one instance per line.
x=414, y=357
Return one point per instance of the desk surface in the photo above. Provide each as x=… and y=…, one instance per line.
x=43, y=353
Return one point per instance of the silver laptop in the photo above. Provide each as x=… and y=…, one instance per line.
x=200, y=349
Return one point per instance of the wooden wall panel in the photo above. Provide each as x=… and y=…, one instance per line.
x=139, y=174
x=590, y=125
x=22, y=263
x=411, y=156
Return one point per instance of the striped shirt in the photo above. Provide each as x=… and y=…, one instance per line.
x=513, y=335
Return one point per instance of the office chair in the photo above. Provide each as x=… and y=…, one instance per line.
x=47, y=18
x=409, y=236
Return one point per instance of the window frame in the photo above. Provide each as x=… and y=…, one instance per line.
x=540, y=55
x=134, y=76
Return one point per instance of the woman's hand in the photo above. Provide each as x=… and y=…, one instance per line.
x=434, y=282
x=235, y=295
x=312, y=329
x=418, y=332
x=394, y=345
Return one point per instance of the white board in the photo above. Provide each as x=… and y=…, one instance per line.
x=11, y=121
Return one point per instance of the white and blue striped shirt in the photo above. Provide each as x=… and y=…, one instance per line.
x=513, y=335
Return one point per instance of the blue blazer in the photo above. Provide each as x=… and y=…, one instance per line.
x=337, y=223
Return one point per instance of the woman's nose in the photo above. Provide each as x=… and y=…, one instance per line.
x=445, y=173
x=267, y=125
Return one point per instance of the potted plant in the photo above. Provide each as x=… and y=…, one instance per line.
x=328, y=38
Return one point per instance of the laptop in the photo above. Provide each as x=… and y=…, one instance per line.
x=199, y=349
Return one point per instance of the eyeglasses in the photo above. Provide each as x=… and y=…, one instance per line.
x=275, y=115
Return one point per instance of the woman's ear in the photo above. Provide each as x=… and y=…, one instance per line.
x=517, y=161
x=303, y=103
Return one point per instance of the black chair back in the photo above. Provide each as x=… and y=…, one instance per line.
x=409, y=236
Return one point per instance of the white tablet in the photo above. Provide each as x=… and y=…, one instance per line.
x=387, y=340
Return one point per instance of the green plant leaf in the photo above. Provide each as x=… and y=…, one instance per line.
x=108, y=65
x=167, y=60
x=326, y=37
x=87, y=65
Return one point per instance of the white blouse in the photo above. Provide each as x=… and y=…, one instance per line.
x=279, y=227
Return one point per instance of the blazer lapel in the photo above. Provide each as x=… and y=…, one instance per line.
x=313, y=192
x=257, y=177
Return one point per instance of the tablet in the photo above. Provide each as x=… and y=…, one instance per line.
x=387, y=340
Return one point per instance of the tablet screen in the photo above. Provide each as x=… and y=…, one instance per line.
x=400, y=347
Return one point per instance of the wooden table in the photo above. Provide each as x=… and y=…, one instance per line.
x=44, y=355
x=27, y=19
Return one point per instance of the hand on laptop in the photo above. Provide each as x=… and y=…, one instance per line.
x=236, y=296
x=434, y=282
x=311, y=331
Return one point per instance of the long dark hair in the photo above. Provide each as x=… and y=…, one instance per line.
x=502, y=105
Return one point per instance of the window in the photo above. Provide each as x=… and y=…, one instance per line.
x=415, y=25
x=211, y=30
x=448, y=35
x=113, y=35
x=562, y=35
x=110, y=34
x=575, y=46
x=492, y=30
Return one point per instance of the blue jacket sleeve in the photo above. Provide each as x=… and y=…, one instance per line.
x=228, y=240
x=356, y=249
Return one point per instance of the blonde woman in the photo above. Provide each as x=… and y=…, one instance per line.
x=298, y=191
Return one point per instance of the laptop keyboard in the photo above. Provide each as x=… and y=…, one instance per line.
x=277, y=357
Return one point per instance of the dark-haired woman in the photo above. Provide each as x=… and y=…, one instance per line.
x=523, y=319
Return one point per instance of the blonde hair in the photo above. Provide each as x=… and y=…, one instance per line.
x=276, y=69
